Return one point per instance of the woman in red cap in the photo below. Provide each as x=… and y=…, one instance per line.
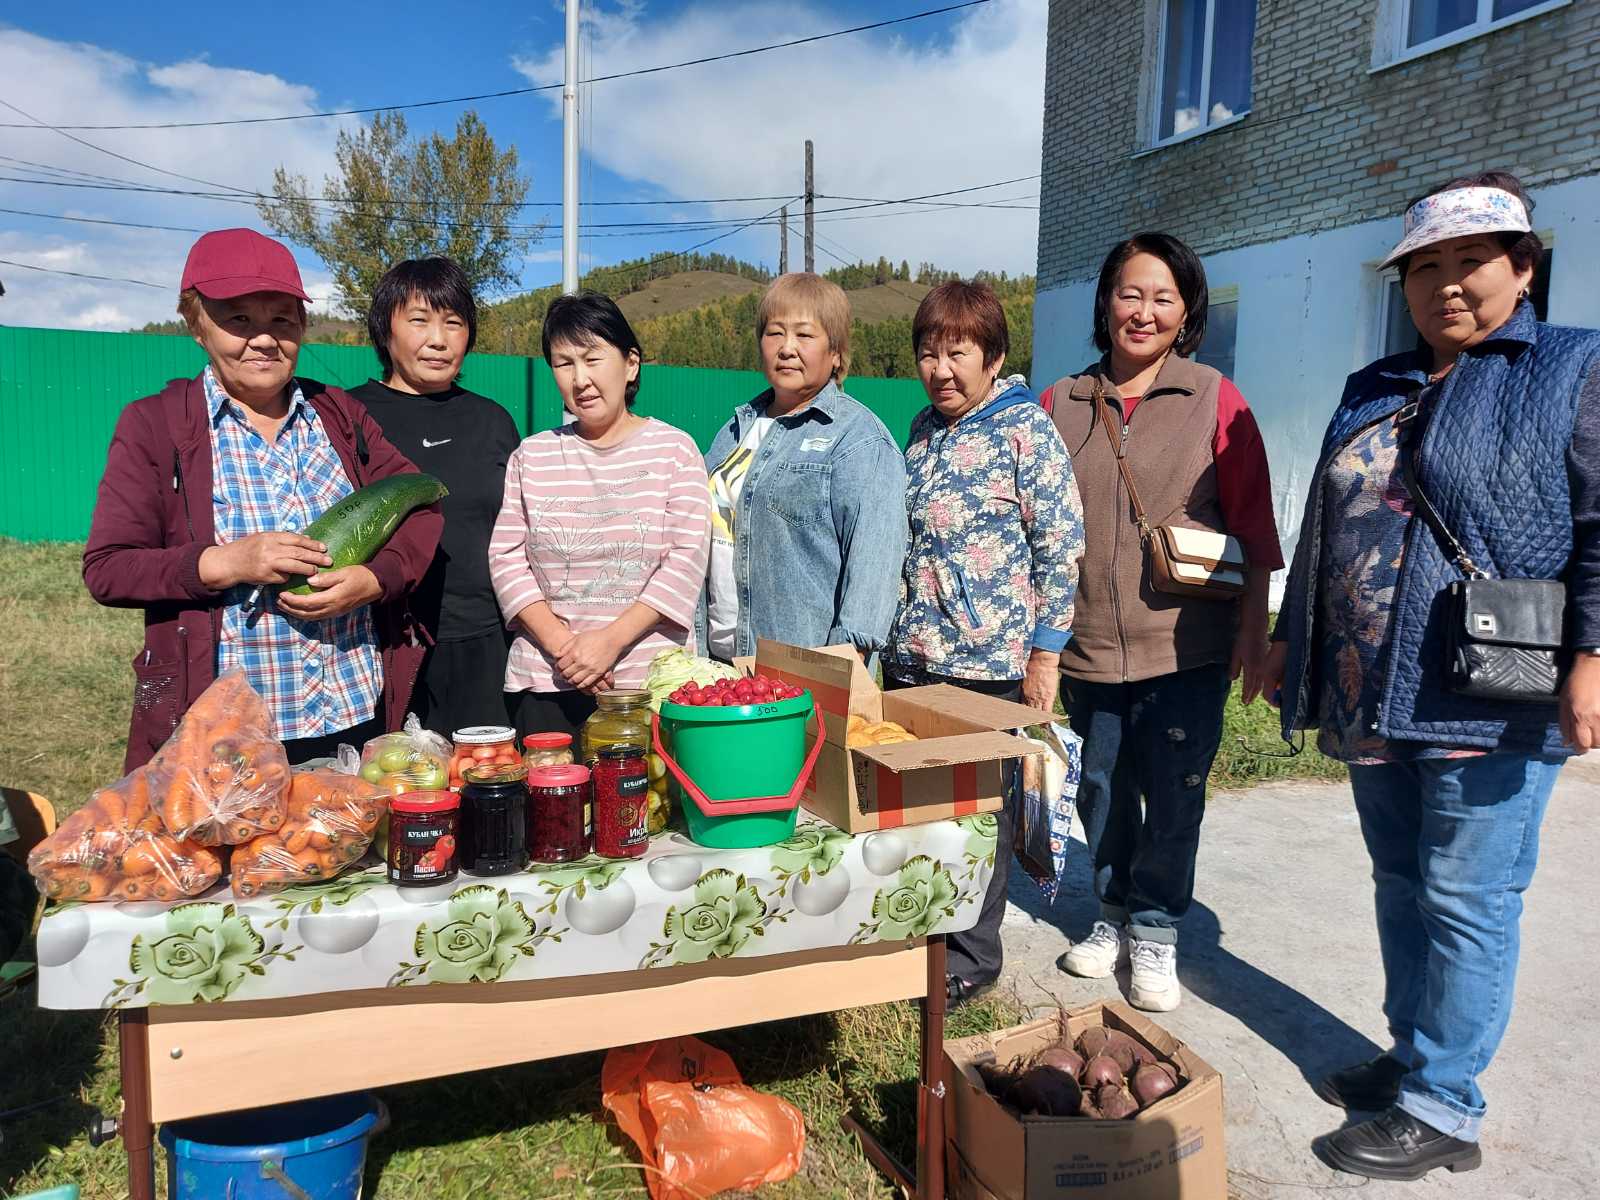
x=206, y=484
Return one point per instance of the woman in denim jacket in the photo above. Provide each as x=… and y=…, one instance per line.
x=996, y=534
x=808, y=523
x=1496, y=418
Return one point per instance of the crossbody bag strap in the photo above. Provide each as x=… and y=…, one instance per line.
x=1411, y=429
x=1103, y=411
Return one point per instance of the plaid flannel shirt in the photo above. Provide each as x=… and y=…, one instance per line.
x=317, y=677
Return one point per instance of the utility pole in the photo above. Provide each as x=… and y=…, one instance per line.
x=811, y=197
x=569, y=157
x=783, y=242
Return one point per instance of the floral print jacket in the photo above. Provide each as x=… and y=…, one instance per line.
x=996, y=535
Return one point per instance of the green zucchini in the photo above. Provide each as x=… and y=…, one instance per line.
x=357, y=527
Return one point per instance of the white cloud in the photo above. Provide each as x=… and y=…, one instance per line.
x=890, y=117
x=89, y=84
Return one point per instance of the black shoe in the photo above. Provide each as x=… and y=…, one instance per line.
x=1395, y=1145
x=959, y=991
x=1371, y=1086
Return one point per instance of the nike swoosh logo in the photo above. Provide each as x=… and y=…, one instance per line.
x=427, y=445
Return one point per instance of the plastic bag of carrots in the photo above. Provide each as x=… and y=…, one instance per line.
x=329, y=825
x=222, y=777
x=116, y=848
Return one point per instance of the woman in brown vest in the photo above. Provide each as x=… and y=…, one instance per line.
x=1147, y=672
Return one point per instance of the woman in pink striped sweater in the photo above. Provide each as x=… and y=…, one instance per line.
x=599, y=552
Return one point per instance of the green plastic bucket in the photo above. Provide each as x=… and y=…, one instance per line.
x=741, y=768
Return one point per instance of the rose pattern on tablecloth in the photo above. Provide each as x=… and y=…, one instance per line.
x=726, y=913
x=206, y=952
x=314, y=897
x=923, y=895
x=485, y=933
x=983, y=833
x=681, y=904
x=578, y=877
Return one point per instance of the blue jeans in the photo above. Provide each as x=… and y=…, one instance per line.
x=1147, y=750
x=1453, y=845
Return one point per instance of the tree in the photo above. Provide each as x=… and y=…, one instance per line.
x=396, y=198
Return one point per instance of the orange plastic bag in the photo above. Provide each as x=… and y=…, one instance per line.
x=329, y=825
x=115, y=848
x=699, y=1130
x=222, y=777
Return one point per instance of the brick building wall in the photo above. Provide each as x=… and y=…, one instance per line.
x=1328, y=142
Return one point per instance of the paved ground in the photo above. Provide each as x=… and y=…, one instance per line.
x=1279, y=963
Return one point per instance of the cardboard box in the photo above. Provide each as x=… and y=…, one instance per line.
x=952, y=770
x=1171, y=1150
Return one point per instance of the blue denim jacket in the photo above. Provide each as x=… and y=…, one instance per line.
x=821, y=529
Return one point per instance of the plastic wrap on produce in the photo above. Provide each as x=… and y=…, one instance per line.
x=329, y=825
x=221, y=777
x=116, y=848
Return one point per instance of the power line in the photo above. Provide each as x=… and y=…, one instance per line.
x=39, y=124
x=17, y=212
x=525, y=91
x=6, y=262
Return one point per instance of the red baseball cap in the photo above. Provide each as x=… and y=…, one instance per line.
x=234, y=262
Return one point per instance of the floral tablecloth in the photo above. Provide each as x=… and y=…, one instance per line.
x=681, y=903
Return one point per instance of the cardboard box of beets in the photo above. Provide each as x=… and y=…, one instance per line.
x=953, y=769
x=1171, y=1149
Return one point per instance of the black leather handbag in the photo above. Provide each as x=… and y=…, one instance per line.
x=1504, y=637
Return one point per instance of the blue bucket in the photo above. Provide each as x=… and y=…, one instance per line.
x=315, y=1150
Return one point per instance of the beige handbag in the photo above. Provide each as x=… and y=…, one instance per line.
x=1183, y=561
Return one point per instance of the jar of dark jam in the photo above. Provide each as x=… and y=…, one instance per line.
x=423, y=828
x=621, y=802
x=557, y=797
x=494, y=819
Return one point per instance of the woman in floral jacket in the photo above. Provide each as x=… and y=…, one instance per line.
x=996, y=534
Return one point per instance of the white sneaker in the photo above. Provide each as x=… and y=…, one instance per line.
x=1098, y=955
x=1154, y=983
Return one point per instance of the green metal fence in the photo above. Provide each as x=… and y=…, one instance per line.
x=61, y=391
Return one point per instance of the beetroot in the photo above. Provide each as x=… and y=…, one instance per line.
x=1061, y=1057
x=1092, y=1042
x=1153, y=1081
x=1048, y=1092
x=1101, y=1070
x=1115, y=1102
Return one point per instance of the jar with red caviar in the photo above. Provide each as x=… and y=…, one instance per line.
x=621, y=802
x=557, y=796
x=423, y=827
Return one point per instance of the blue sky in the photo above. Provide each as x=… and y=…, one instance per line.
x=947, y=102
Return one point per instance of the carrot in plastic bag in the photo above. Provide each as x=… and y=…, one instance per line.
x=328, y=825
x=221, y=778
x=115, y=848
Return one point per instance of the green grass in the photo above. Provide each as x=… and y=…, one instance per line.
x=521, y=1132
x=1253, y=750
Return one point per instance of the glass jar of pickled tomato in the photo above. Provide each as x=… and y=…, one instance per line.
x=481, y=745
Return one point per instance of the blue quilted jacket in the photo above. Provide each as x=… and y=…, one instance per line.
x=1497, y=462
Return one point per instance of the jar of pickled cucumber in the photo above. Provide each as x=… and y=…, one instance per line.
x=621, y=718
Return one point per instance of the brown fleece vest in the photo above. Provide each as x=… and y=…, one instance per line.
x=1122, y=628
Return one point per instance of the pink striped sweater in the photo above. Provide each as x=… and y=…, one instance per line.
x=591, y=531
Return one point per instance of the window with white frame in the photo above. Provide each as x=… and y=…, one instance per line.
x=1407, y=28
x=1204, y=65
x=1397, y=331
x=1222, y=331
